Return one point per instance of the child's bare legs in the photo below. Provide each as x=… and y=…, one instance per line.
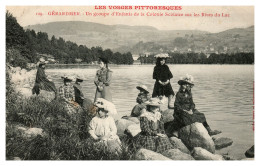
x=170, y=105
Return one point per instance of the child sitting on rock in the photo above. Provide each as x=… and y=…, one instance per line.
x=142, y=97
x=184, y=107
x=152, y=136
x=102, y=127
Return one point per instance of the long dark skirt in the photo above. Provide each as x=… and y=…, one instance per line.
x=160, y=90
x=182, y=118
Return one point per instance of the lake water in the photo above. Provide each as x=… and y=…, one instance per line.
x=224, y=93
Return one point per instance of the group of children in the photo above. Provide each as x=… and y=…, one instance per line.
x=102, y=127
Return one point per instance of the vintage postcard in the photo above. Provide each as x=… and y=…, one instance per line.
x=130, y=82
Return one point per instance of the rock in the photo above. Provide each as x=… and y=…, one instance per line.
x=222, y=142
x=33, y=132
x=114, y=146
x=46, y=95
x=25, y=92
x=16, y=158
x=248, y=159
x=250, y=153
x=134, y=119
x=133, y=129
x=122, y=125
x=195, y=135
x=178, y=144
x=145, y=154
x=27, y=86
x=168, y=115
x=20, y=128
x=176, y=154
x=202, y=154
x=228, y=157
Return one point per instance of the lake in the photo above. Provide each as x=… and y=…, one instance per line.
x=224, y=93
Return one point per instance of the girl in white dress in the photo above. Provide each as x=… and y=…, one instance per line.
x=102, y=127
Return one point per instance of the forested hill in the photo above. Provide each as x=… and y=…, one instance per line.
x=142, y=39
x=27, y=46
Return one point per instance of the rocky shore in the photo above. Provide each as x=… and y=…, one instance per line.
x=192, y=142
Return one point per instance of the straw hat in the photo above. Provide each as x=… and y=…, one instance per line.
x=154, y=102
x=143, y=87
x=162, y=55
x=188, y=79
x=78, y=79
x=42, y=61
x=107, y=105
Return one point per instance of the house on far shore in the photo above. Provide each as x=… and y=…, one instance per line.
x=137, y=62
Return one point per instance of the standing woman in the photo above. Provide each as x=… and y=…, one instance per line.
x=162, y=75
x=102, y=80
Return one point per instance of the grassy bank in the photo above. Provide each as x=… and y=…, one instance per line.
x=65, y=136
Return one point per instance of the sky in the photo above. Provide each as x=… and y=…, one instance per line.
x=239, y=17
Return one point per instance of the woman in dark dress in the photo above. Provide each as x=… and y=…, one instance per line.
x=42, y=82
x=102, y=80
x=162, y=75
x=184, y=107
x=152, y=134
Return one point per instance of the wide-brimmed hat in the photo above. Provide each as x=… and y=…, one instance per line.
x=142, y=87
x=188, y=79
x=67, y=78
x=104, y=59
x=106, y=105
x=42, y=61
x=154, y=102
x=78, y=79
x=165, y=55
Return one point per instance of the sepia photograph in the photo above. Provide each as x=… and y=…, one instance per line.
x=129, y=82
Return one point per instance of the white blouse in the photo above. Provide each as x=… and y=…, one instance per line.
x=103, y=127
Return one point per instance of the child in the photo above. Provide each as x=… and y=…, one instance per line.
x=102, y=127
x=152, y=134
x=66, y=93
x=142, y=97
x=184, y=107
x=162, y=75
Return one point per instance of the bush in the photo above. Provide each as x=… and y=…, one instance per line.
x=63, y=140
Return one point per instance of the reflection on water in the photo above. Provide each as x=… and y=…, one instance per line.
x=224, y=93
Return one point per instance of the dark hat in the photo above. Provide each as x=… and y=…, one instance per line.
x=79, y=80
x=188, y=79
x=104, y=59
x=66, y=78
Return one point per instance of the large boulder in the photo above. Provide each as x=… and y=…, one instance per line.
x=47, y=95
x=33, y=132
x=202, y=154
x=178, y=144
x=167, y=115
x=133, y=119
x=122, y=125
x=25, y=92
x=250, y=153
x=195, y=135
x=133, y=129
x=145, y=154
x=176, y=154
x=222, y=142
